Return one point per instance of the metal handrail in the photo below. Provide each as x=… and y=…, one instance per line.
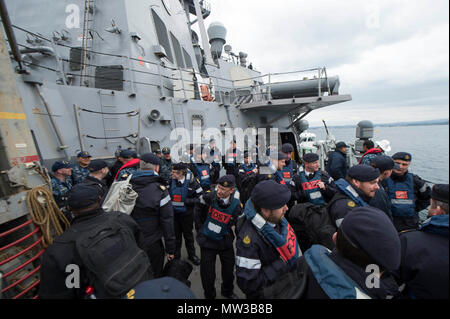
x=232, y=89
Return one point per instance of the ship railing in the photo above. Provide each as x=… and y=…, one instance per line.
x=26, y=256
x=259, y=89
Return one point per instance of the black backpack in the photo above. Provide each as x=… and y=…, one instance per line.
x=312, y=225
x=290, y=285
x=178, y=269
x=114, y=262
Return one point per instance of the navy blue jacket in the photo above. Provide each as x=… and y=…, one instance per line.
x=258, y=263
x=425, y=260
x=341, y=204
x=382, y=201
x=153, y=211
x=337, y=165
x=63, y=252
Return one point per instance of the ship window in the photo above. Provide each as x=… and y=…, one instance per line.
x=177, y=49
x=161, y=32
x=187, y=58
x=76, y=59
x=109, y=77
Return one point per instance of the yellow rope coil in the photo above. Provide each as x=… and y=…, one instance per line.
x=45, y=213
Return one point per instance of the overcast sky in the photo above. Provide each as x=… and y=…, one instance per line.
x=392, y=56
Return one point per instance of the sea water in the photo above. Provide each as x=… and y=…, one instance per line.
x=428, y=146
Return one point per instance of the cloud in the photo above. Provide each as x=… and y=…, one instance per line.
x=391, y=55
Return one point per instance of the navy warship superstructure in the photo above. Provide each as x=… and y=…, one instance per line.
x=98, y=76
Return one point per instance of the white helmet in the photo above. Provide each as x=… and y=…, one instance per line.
x=385, y=145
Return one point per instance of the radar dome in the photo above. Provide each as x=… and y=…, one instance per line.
x=217, y=34
x=364, y=130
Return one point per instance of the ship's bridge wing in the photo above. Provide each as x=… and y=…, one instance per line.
x=299, y=105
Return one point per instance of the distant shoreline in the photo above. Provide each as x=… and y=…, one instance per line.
x=399, y=124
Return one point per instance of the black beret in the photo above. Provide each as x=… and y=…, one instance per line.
x=341, y=144
x=83, y=195
x=151, y=158
x=440, y=192
x=158, y=151
x=270, y=195
x=191, y=147
x=179, y=166
x=384, y=163
x=371, y=230
x=161, y=288
x=60, y=164
x=245, y=154
x=310, y=157
x=364, y=173
x=166, y=150
x=84, y=154
x=287, y=148
x=402, y=156
x=97, y=165
x=227, y=181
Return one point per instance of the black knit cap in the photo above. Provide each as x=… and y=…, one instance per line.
x=363, y=173
x=371, y=230
x=384, y=163
x=83, y=195
x=440, y=192
x=270, y=195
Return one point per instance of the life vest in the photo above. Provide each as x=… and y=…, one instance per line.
x=133, y=163
x=247, y=170
x=179, y=194
x=348, y=190
x=288, y=172
x=215, y=157
x=279, y=177
x=217, y=220
x=331, y=278
x=401, y=194
x=371, y=151
x=311, y=188
x=206, y=95
x=231, y=157
x=203, y=172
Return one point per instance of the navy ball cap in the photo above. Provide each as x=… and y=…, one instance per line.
x=161, y=288
x=151, y=158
